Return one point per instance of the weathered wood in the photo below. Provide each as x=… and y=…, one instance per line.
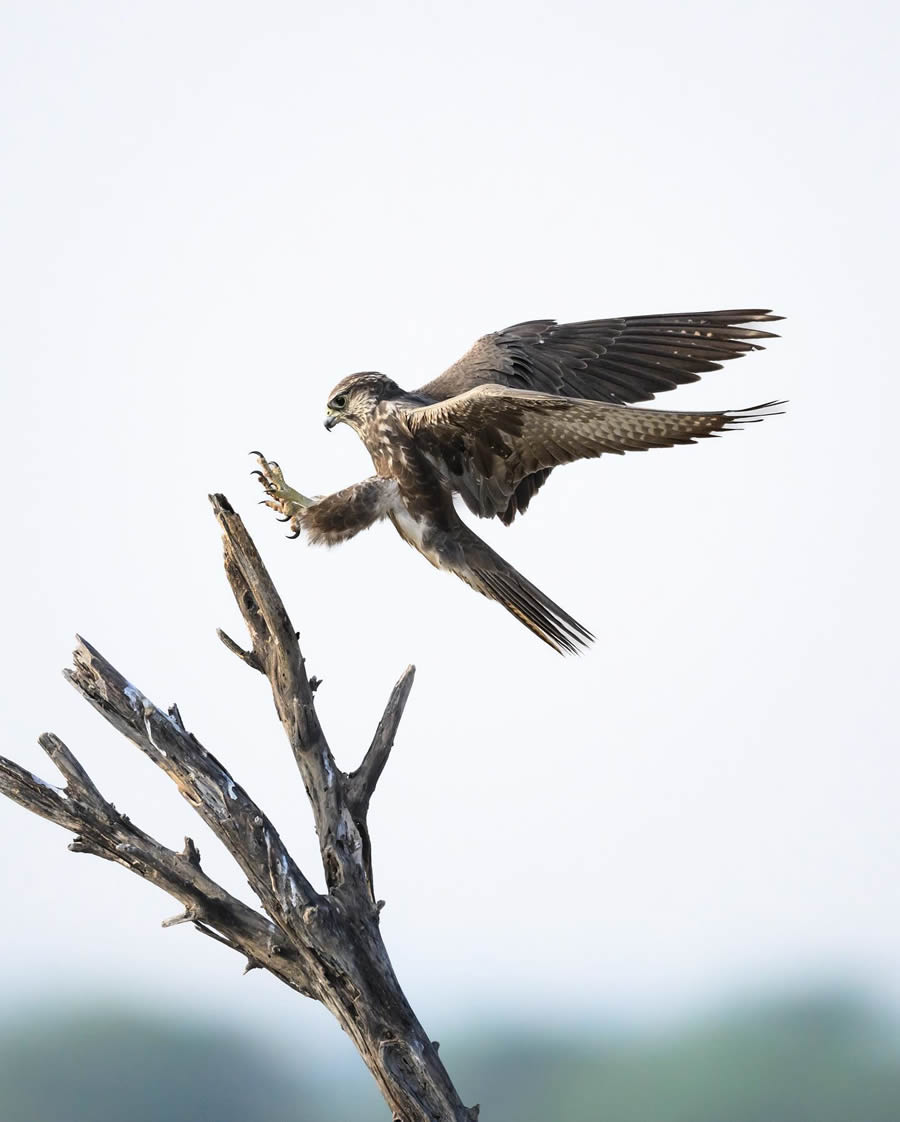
x=101, y=830
x=325, y=945
x=361, y=783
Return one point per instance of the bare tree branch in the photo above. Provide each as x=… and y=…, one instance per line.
x=221, y=802
x=325, y=945
x=361, y=783
x=78, y=782
x=102, y=831
x=236, y=649
x=277, y=651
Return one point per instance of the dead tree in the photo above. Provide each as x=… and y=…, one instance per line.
x=328, y=945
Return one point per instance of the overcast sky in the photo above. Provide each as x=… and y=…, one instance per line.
x=211, y=213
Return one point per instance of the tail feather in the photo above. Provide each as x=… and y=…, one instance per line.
x=538, y=612
x=488, y=573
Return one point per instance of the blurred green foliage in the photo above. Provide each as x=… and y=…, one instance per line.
x=826, y=1058
x=822, y=1059
x=112, y=1067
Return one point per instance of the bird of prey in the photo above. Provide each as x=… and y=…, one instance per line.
x=494, y=425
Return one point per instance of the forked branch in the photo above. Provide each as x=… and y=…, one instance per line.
x=326, y=945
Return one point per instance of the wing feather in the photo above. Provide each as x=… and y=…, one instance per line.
x=628, y=359
x=491, y=439
x=582, y=359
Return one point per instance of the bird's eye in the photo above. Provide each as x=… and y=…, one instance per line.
x=340, y=401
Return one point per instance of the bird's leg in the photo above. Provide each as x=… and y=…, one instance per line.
x=326, y=519
x=281, y=498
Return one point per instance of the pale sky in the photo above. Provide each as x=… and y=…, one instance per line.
x=211, y=213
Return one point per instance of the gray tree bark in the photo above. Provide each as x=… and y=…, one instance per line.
x=328, y=945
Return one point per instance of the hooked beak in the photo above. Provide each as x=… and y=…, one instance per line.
x=330, y=421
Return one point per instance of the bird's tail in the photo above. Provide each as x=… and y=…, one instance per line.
x=488, y=573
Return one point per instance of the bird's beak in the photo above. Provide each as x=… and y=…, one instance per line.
x=330, y=421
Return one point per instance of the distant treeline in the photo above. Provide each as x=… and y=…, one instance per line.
x=825, y=1058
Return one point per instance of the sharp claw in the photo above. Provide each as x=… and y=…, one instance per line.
x=259, y=473
x=282, y=519
x=296, y=534
x=254, y=453
x=274, y=464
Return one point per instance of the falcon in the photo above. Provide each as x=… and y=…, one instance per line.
x=494, y=425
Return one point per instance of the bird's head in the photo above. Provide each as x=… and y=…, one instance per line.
x=355, y=398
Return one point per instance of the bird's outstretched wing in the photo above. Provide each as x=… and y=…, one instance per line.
x=622, y=360
x=616, y=360
x=491, y=438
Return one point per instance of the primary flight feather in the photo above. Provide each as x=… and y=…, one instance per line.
x=494, y=425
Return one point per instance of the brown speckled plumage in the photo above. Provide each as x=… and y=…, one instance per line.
x=491, y=429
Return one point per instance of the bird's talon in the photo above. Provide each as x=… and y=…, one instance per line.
x=281, y=498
